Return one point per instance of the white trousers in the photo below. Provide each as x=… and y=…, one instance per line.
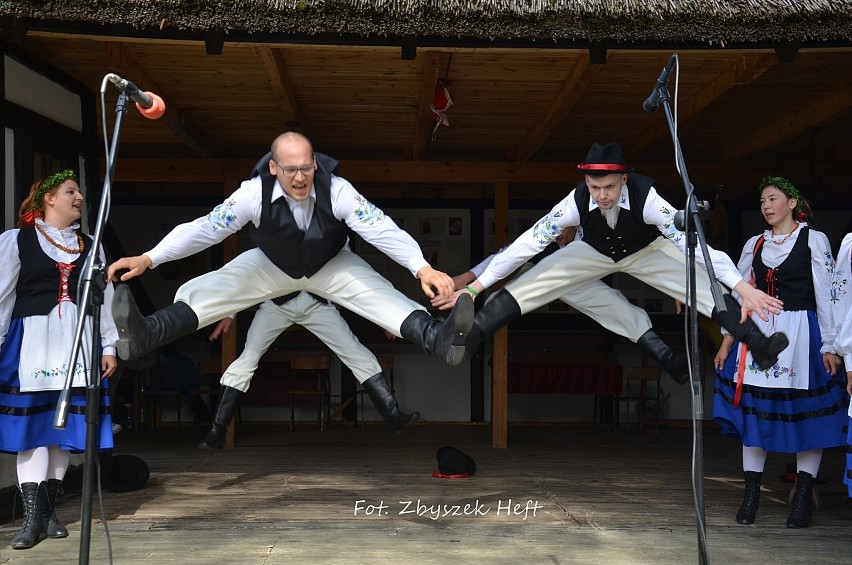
x=569, y=270
x=322, y=320
x=608, y=307
x=251, y=278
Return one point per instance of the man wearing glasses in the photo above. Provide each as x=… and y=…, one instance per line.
x=300, y=211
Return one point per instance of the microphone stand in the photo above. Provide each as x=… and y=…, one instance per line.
x=694, y=230
x=93, y=279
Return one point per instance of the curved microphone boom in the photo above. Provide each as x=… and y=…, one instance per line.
x=149, y=104
x=652, y=103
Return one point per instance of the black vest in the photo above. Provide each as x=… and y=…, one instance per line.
x=37, y=290
x=631, y=233
x=300, y=253
x=794, y=283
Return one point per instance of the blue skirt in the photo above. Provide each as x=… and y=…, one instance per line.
x=847, y=478
x=26, y=418
x=786, y=420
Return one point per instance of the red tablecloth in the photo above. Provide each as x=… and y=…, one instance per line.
x=544, y=378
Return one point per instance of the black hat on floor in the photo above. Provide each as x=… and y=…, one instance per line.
x=452, y=461
x=124, y=473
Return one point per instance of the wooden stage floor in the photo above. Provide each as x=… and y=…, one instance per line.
x=576, y=495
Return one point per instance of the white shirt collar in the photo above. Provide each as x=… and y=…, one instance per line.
x=623, y=200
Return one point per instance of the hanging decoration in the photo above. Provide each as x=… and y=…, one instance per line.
x=440, y=105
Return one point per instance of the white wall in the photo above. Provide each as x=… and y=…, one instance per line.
x=38, y=93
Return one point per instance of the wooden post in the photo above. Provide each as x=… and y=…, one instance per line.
x=231, y=180
x=500, y=360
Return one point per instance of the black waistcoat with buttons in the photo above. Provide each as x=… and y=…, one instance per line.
x=793, y=278
x=631, y=233
x=37, y=291
x=300, y=253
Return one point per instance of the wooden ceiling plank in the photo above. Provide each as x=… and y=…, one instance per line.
x=448, y=172
x=833, y=103
x=128, y=67
x=282, y=86
x=744, y=70
x=569, y=92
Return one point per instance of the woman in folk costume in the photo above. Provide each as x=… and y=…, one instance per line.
x=42, y=260
x=796, y=406
x=843, y=317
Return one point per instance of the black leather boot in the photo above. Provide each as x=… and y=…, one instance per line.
x=229, y=401
x=33, y=495
x=764, y=349
x=498, y=311
x=385, y=402
x=140, y=334
x=442, y=339
x=751, y=499
x=662, y=354
x=52, y=526
x=800, y=513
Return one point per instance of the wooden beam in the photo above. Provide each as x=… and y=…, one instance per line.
x=453, y=172
x=500, y=360
x=428, y=81
x=126, y=65
x=834, y=101
x=744, y=70
x=231, y=248
x=281, y=85
x=569, y=92
x=563, y=174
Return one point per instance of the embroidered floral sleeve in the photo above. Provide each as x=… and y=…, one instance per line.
x=366, y=212
x=825, y=287
x=223, y=215
x=838, y=278
x=668, y=228
x=548, y=228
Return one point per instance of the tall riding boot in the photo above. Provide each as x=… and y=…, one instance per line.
x=751, y=499
x=141, y=334
x=229, y=400
x=33, y=526
x=441, y=339
x=764, y=349
x=498, y=311
x=800, y=513
x=385, y=402
x=663, y=355
x=54, y=528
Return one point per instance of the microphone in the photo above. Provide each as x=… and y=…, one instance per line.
x=652, y=103
x=149, y=104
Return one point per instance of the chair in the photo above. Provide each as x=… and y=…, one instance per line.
x=159, y=380
x=310, y=378
x=386, y=363
x=642, y=376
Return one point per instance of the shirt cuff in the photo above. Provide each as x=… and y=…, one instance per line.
x=109, y=350
x=417, y=265
x=155, y=260
x=731, y=279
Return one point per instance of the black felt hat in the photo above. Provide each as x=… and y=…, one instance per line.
x=124, y=473
x=452, y=461
x=604, y=159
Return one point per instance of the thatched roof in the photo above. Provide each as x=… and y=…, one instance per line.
x=711, y=22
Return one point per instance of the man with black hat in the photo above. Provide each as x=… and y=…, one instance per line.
x=300, y=210
x=604, y=304
x=623, y=219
